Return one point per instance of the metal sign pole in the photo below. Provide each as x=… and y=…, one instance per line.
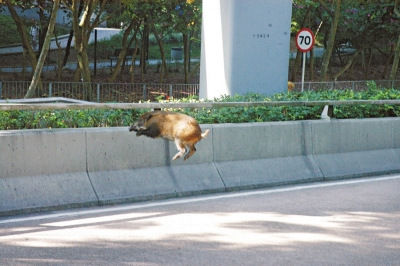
x=303, y=71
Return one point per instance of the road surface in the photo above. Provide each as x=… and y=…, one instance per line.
x=353, y=222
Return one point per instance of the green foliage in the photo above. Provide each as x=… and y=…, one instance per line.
x=363, y=24
x=66, y=118
x=113, y=118
x=8, y=32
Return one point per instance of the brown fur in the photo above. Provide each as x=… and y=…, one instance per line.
x=181, y=128
x=290, y=86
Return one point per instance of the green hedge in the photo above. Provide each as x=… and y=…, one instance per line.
x=113, y=118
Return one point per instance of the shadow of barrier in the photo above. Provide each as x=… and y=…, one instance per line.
x=43, y=170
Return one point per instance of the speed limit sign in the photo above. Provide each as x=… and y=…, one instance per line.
x=305, y=40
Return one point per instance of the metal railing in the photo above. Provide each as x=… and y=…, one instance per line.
x=356, y=85
x=135, y=92
x=99, y=92
x=209, y=105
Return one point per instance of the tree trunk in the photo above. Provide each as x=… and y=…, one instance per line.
x=396, y=60
x=82, y=27
x=43, y=24
x=144, y=51
x=122, y=54
x=132, y=68
x=312, y=60
x=347, y=66
x=164, y=70
x=59, y=60
x=24, y=36
x=331, y=41
x=43, y=53
x=186, y=56
x=69, y=42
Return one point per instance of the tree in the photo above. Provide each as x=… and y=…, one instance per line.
x=133, y=24
x=82, y=26
x=368, y=27
x=186, y=15
x=160, y=20
x=331, y=40
x=43, y=53
x=396, y=59
x=26, y=44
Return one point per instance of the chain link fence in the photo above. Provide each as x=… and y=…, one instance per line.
x=135, y=92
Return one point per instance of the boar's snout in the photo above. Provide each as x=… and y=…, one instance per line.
x=137, y=126
x=133, y=128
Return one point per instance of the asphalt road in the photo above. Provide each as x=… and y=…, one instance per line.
x=353, y=222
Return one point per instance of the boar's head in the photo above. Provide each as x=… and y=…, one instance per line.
x=141, y=123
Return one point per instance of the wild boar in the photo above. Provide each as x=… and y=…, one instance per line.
x=181, y=128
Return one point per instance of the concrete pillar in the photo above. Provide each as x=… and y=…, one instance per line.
x=245, y=47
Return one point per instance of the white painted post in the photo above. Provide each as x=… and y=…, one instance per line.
x=303, y=71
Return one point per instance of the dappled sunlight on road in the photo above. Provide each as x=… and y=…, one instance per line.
x=228, y=230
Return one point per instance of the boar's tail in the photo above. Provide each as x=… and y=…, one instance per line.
x=203, y=135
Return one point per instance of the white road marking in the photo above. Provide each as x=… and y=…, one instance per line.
x=135, y=206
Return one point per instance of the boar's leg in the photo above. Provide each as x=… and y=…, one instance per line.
x=181, y=149
x=192, y=150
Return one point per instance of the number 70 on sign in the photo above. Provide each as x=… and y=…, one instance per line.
x=305, y=40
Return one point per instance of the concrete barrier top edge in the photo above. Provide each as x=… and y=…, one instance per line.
x=40, y=131
x=248, y=124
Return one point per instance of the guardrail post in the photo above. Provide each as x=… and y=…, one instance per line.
x=1, y=89
x=98, y=92
x=50, y=89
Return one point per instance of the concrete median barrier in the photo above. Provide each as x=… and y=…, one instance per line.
x=43, y=168
x=123, y=167
x=356, y=147
x=264, y=154
x=50, y=169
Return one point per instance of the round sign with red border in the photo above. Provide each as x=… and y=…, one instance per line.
x=305, y=40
